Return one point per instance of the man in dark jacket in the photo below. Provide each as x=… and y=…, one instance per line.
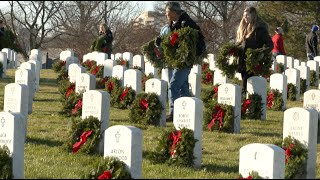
x=312, y=43
x=179, y=84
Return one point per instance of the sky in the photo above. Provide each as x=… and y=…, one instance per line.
x=148, y=5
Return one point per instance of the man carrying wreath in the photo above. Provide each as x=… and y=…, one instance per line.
x=178, y=83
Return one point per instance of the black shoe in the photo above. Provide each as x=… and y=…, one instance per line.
x=169, y=118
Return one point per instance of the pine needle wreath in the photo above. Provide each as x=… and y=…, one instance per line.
x=146, y=109
x=252, y=175
x=89, y=64
x=109, y=167
x=178, y=152
x=206, y=74
x=59, y=66
x=154, y=54
x=251, y=108
x=223, y=59
x=280, y=68
x=258, y=61
x=5, y=163
x=137, y=67
x=97, y=71
x=101, y=83
x=212, y=113
x=112, y=87
x=78, y=127
x=124, y=97
x=313, y=77
x=144, y=79
x=292, y=92
x=296, y=155
x=122, y=62
x=179, y=48
x=97, y=44
x=303, y=85
x=68, y=104
x=274, y=100
x=209, y=94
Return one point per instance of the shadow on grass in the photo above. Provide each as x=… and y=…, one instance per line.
x=265, y=134
x=48, y=82
x=45, y=100
x=48, y=142
x=215, y=168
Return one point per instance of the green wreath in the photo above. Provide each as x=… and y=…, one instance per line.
x=109, y=167
x=101, y=83
x=313, y=77
x=1, y=68
x=124, y=97
x=210, y=114
x=181, y=154
x=222, y=62
x=254, y=110
x=69, y=102
x=122, y=62
x=80, y=126
x=179, y=48
x=296, y=155
x=252, y=175
x=146, y=109
x=209, y=94
x=258, y=61
x=292, y=92
x=89, y=64
x=5, y=163
x=144, y=79
x=154, y=54
x=206, y=74
x=97, y=70
x=97, y=44
x=274, y=100
x=303, y=85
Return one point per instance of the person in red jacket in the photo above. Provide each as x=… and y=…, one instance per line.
x=278, y=48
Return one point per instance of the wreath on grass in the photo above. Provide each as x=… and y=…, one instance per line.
x=210, y=94
x=154, y=54
x=303, y=85
x=72, y=105
x=274, y=100
x=251, y=108
x=59, y=66
x=88, y=64
x=292, y=92
x=84, y=135
x=123, y=97
x=219, y=117
x=6, y=171
x=109, y=167
x=296, y=155
x=175, y=147
x=258, y=61
x=224, y=62
x=179, y=48
x=97, y=71
x=146, y=109
x=207, y=74
x=101, y=83
x=252, y=175
x=313, y=78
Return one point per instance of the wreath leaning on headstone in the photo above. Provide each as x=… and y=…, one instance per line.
x=292, y=92
x=5, y=163
x=146, y=109
x=274, y=100
x=84, y=135
x=219, y=117
x=296, y=155
x=303, y=85
x=252, y=175
x=123, y=97
x=109, y=167
x=313, y=77
x=175, y=147
x=251, y=108
x=179, y=48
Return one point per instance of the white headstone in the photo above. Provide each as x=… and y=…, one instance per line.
x=258, y=85
x=196, y=69
x=3, y=60
x=12, y=135
x=212, y=65
x=296, y=63
x=194, y=84
x=293, y=77
x=149, y=69
x=74, y=71
x=133, y=78
x=96, y=103
x=219, y=78
x=302, y=124
x=85, y=82
x=230, y=94
x=118, y=72
x=305, y=74
x=138, y=61
x=36, y=73
x=311, y=99
x=290, y=62
x=24, y=77
x=108, y=66
x=188, y=113
x=314, y=66
x=128, y=56
x=101, y=57
x=159, y=87
x=282, y=59
x=31, y=67
x=278, y=81
x=125, y=142
x=266, y=159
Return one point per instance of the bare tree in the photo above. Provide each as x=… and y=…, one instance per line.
x=30, y=21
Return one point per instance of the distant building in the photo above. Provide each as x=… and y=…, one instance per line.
x=151, y=18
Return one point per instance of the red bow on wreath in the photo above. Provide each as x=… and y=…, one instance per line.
x=144, y=104
x=215, y=92
x=288, y=151
x=70, y=89
x=217, y=116
x=245, y=106
x=174, y=38
x=77, y=106
x=175, y=138
x=110, y=86
x=270, y=99
x=95, y=71
x=83, y=139
x=89, y=63
x=105, y=175
x=209, y=77
x=124, y=94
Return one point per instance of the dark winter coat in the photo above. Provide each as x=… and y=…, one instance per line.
x=312, y=43
x=259, y=38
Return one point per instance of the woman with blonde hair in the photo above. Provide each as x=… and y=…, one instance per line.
x=104, y=42
x=252, y=33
